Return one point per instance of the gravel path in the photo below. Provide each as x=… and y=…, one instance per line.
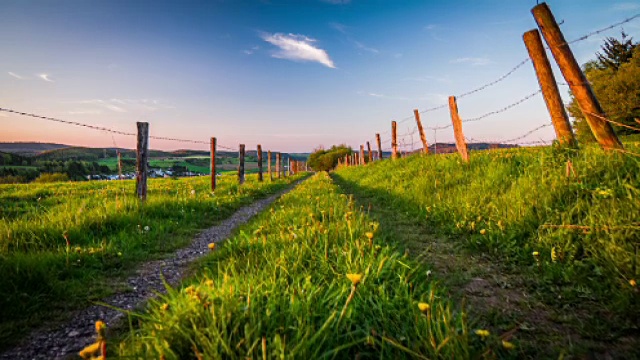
x=63, y=341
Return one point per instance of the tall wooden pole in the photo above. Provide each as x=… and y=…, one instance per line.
x=580, y=87
x=369, y=154
x=278, y=164
x=423, y=137
x=549, y=87
x=379, y=146
x=213, y=163
x=362, y=162
x=461, y=144
x=241, y=165
x=269, y=165
x=142, y=155
x=394, y=140
x=259, y=163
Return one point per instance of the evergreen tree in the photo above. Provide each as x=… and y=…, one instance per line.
x=616, y=52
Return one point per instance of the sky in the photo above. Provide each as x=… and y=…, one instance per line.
x=290, y=75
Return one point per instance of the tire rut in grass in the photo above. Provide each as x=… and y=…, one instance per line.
x=64, y=340
x=494, y=298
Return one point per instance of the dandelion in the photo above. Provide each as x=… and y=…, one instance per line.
x=211, y=246
x=482, y=333
x=209, y=283
x=535, y=254
x=89, y=350
x=369, y=235
x=100, y=327
x=483, y=231
x=633, y=283
x=508, y=345
x=190, y=290
x=355, y=278
x=424, y=307
x=164, y=307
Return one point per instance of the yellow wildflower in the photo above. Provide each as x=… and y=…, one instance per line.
x=483, y=231
x=164, y=307
x=89, y=350
x=190, y=290
x=100, y=327
x=508, y=345
x=633, y=283
x=535, y=253
x=209, y=283
x=554, y=254
x=369, y=235
x=212, y=246
x=355, y=278
x=424, y=307
x=482, y=333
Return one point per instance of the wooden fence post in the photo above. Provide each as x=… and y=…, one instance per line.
x=278, y=164
x=213, y=164
x=362, y=162
x=260, y=163
x=461, y=144
x=142, y=155
x=269, y=165
x=580, y=87
x=241, y=165
x=423, y=137
x=394, y=140
x=379, y=146
x=549, y=87
x=369, y=154
x=119, y=165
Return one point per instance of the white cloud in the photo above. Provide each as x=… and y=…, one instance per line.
x=15, y=75
x=473, y=61
x=362, y=46
x=45, y=77
x=252, y=50
x=297, y=48
x=106, y=104
x=338, y=27
x=626, y=6
x=430, y=27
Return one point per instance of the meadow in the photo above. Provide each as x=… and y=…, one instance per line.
x=565, y=221
x=314, y=277
x=62, y=245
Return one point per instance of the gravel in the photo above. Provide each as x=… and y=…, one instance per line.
x=63, y=341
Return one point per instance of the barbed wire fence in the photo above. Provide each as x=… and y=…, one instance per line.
x=519, y=140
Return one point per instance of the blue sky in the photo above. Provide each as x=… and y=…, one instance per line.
x=291, y=75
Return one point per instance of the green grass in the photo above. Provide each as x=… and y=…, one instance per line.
x=509, y=204
x=279, y=289
x=108, y=232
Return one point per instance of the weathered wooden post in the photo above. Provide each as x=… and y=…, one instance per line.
x=423, y=137
x=142, y=155
x=346, y=160
x=241, y=165
x=580, y=87
x=394, y=141
x=362, y=162
x=461, y=144
x=379, y=146
x=278, y=164
x=269, y=165
x=119, y=165
x=259, y=163
x=213, y=164
x=369, y=153
x=549, y=87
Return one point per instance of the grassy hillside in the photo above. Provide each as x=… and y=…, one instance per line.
x=63, y=244
x=567, y=221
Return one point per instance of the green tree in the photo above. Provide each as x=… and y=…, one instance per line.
x=615, y=79
x=325, y=160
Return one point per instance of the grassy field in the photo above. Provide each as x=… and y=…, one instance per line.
x=224, y=165
x=312, y=278
x=61, y=244
x=566, y=222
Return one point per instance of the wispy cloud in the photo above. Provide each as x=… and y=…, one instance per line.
x=343, y=29
x=627, y=6
x=45, y=77
x=431, y=27
x=106, y=104
x=123, y=105
x=252, y=50
x=473, y=61
x=433, y=30
x=85, y=112
x=362, y=46
x=390, y=97
x=428, y=78
x=15, y=75
x=339, y=27
x=297, y=48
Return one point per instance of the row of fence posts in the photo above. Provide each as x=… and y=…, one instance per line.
x=142, y=158
x=570, y=69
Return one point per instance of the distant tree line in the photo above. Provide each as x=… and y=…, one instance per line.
x=327, y=159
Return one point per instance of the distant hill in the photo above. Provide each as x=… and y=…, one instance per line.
x=29, y=148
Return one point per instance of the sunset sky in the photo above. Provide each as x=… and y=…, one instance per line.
x=291, y=75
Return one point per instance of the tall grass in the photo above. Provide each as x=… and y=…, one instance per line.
x=582, y=219
x=61, y=242
x=287, y=286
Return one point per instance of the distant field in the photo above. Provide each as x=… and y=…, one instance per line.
x=18, y=167
x=224, y=164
